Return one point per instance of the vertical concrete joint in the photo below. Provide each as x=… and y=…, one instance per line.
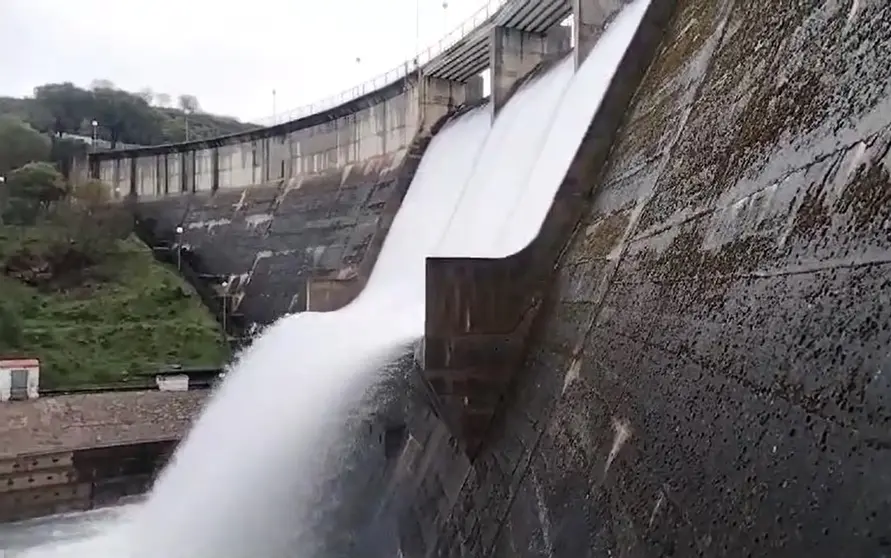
x=437, y=96
x=512, y=55
x=589, y=19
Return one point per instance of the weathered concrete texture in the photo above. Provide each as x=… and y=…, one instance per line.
x=266, y=240
x=96, y=419
x=379, y=124
x=589, y=19
x=513, y=55
x=64, y=481
x=330, y=290
x=711, y=377
x=479, y=311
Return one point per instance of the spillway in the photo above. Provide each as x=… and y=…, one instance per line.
x=246, y=481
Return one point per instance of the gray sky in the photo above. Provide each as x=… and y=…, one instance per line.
x=230, y=55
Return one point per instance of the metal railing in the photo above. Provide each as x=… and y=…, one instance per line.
x=452, y=38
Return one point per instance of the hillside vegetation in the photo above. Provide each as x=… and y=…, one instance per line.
x=122, y=117
x=80, y=293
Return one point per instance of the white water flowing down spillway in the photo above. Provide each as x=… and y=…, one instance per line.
x=243, y=482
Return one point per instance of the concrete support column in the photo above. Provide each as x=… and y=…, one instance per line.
x=133, y=176
x=115, y=177
x=513, y=54
x=183, y=172
x=436, y=97
x=473, y=89
x=215, y=169
x=589, y=18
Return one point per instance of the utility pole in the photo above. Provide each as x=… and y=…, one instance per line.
x=179, y=249
x=225, y=300
x=445, y=18
x=274, y=114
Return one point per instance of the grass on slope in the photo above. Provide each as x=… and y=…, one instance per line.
x=129, y=314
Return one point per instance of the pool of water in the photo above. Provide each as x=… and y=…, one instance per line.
x=68, y=527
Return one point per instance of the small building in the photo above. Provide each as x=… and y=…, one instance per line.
x=19, y=379
x=172, y=382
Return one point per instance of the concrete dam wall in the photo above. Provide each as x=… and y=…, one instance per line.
x=704, y=373
x=690, y=358
x=260, y=213
x=292, y=217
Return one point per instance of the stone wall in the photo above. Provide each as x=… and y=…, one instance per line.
x=708, y=377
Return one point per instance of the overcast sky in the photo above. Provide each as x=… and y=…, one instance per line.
x=230, y=54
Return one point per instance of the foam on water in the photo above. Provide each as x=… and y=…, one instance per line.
x=243, y=482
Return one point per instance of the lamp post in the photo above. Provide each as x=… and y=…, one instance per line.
x=179, y=248
x=225, y=296
x=95, y=126
x=445, y=18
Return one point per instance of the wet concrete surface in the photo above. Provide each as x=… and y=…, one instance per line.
x=710, y=378
x=266, y=240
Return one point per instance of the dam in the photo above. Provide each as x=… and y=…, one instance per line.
x=686, y=358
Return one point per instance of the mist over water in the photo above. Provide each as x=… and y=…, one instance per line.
x=247, y=480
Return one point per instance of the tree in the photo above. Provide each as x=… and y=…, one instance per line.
x=39, y=183
x=189, y=104
x=66, y=106
x=20, y=144
x=147, y=95
x=98, y=84
x=93, y=222
x=59, y=108
x=126, y=118
x=92, y=194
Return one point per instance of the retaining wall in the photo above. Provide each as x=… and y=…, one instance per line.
x=707, y=376
x=34, y=485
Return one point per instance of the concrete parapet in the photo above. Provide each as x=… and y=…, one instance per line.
x=379, y=124
x=480, y=311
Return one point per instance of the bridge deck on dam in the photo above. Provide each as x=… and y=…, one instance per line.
x=470, y=56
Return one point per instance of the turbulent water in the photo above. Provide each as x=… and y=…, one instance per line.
x=246, y=481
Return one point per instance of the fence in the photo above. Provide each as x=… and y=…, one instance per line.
x=421, y=58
